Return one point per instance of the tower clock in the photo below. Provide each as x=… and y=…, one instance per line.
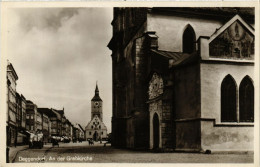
x=96, y=105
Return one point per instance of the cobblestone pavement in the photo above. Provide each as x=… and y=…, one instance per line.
x=82, y=152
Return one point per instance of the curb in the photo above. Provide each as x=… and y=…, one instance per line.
x=17, y=153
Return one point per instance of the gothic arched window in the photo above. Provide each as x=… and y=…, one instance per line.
x=188, y=40
x=246, y=100
x=228, y=100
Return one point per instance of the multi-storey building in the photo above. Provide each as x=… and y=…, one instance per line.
x=11, y=122
x=39, y=121
x=45, y=123
x=46, y=115
x=21, y=119
x=68, y=131
x=183, y=78
x=32, y=124
x=81, y=132
x=51, y=121
x=63, y=125
x=23, y=104
x=75, y=133
x=18, y=110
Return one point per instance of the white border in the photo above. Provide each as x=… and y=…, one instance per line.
x=5, y=5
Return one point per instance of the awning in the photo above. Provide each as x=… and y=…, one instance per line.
x=21, y=135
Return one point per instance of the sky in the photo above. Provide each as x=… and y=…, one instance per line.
x=59, y=54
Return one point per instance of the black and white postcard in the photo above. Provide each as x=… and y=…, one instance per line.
x=130, y=83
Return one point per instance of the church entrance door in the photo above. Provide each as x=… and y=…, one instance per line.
x=155, y=131
x=95, y=136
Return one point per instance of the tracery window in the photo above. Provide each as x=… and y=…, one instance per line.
x=228, y=100
x=229, y=96
x=246, y=100
x=188, y=40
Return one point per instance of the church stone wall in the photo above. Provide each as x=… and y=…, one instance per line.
x=226, y=138
x=212, y=76
x=167, y=126
x=130, y=118
x=216, y=135
x=187, y=92
x=188, y=135
x=141, y=114
x=187, y=107
x=155, y=108
x=170, y=29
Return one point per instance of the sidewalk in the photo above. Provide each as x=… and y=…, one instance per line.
x=14, y=150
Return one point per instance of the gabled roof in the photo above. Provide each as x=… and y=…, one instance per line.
x=61, y=112
x=168, y=54
x=23, y=97
x=231, y=21
x=177, y=58
x=81, y=128
x=101, y=123
x=47, y=111
x=11, y=69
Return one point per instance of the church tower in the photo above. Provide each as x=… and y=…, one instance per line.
x=96, y=105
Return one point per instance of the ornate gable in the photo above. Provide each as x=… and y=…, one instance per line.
x=155, y=86
x=96, y=124
x=234, y=40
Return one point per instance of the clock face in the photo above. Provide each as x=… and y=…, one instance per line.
x=96, y=103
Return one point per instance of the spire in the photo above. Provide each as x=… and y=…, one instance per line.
x=96, y=91
x=96, y=97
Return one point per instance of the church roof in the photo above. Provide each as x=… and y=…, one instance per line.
x=217, y=13
x=103, y=126
x=96, y=97
x=177, y=58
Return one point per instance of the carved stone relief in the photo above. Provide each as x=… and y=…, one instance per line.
x=155, y=86
x=156, y=107
x=236, y=42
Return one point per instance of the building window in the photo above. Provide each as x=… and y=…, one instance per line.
x=89, y=133
x=101, y=133
x=246, y=100
x=188, y=40
x=32, y=127
x=27, y=116
x=228, y=100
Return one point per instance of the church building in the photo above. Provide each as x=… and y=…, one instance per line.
x=96, y=129
x=183, y=79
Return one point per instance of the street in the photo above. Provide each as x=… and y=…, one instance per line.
x=83, y=153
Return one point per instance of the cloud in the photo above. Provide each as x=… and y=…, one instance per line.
x=59, y=53
x=50, y=18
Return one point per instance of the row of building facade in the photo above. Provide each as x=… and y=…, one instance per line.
x=24, y=117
